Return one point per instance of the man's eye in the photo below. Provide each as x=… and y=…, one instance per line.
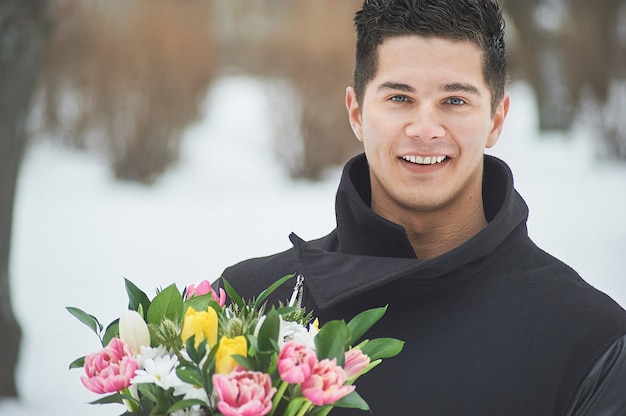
x=399, y=98
x=456, y=101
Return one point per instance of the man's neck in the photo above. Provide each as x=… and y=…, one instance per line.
x=433, y=234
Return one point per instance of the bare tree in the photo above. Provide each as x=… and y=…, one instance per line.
x=135, y=75
x=22, y=28
x=541, y=59
x=310, y=44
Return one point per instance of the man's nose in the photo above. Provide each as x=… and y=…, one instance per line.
x=425, y=123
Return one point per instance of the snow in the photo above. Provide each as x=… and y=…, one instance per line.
x=78, y=232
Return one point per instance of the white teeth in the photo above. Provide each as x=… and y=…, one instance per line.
x=428, y=160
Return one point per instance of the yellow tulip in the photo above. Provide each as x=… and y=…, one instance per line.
x=224, y=362
x=202, y=324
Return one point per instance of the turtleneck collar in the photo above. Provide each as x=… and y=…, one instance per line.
x=379, y=250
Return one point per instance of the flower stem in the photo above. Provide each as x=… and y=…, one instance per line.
x=279, y=395
x=305, y=408
x=132, y=406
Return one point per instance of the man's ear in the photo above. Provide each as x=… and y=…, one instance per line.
x=354, y=113
x=497, y=123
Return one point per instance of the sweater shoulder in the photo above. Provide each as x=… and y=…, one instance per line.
x=566, y=288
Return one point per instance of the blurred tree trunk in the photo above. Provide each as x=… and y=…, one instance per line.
x=544, y=65
x=595, y=52
x=591, y=44
x=22, y=27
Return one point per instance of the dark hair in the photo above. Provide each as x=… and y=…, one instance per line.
x=477, y=21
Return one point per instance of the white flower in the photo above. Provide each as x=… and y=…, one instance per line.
x=149, y=353
x=293, y=331
x=160, y=371
x=191, y=411
x=134, y=331
x=191, y=391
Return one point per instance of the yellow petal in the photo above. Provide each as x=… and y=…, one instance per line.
x=203, y=325
x=224, y=362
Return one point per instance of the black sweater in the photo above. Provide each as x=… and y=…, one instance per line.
x=494, y=327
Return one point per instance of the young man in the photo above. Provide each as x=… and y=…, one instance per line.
x=429, y=225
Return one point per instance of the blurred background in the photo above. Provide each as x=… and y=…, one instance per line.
x=163, y=140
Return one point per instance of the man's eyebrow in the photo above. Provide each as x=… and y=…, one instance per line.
x=460, y=87
x=451, y=87
x=389, y=85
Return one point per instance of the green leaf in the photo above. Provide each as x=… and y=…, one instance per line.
x=286, y=310
x=87, y=319
x=191, y=375
x=196, y=354
x=78, y=363
x=112, y=331
x=136, y=297
x=269, y=332
x=113, y=398
x=361, y=323
x=246, y=362
x=352, y=401
x=382, y=348
x=263, y=295
x=332, y=340
x=184, y=404
x=151, y=392
x=198, y=303
x=168, y=303
x=233, y=295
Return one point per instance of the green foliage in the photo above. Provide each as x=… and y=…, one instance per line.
x=380, y=348
x=164, y=316
x=362, y=323
x=332, y=341
x=168, y=303
x=136, y=298
x=112, y=331
x=89, y=320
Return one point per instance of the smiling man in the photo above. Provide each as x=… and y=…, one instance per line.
x=425, y=119
x=429, y=225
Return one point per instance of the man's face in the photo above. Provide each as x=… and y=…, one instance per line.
x=425, y=121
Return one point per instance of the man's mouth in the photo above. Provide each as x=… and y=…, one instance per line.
x=427, y=160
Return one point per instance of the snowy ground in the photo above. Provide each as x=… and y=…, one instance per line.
x=78, y=232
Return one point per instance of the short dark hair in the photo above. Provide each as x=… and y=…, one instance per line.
x=477, y=21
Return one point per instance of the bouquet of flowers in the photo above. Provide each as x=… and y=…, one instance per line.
x=190, y=353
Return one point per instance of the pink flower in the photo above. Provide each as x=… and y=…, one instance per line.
x=295, y=362
x=356, y=361
x=202, y=289
x=244, y=393
x=110, y=369
x=326, y=384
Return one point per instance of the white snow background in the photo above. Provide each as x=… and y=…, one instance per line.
x=78, y=232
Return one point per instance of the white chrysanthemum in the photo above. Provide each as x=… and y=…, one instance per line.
x=160, y=371
x=293, y=331
x=149, y=353
x=191, y=391
x=192, y=411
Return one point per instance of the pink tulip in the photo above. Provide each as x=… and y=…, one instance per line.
x=356, y=361
x=326, y=384
x=110, y=369
x=244, y=393
x=295, y=362
x=202, y=289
